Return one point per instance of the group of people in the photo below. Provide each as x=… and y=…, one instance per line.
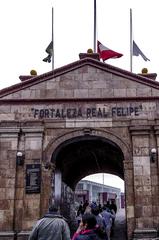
x=105, y=218
x=95, y=223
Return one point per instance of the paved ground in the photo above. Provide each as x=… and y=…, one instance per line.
x=120, y=226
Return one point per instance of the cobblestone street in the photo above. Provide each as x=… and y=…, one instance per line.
x=120, y=226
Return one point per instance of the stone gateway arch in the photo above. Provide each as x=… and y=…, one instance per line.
x=83, y=118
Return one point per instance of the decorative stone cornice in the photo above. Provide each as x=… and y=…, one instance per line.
x=7, y=234
x=32, y=129
x=145, y=234
x=156, y=130
x=9, y=132
x=33, y=132
x=140, y=130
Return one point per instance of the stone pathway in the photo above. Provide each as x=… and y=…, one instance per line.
x=120, y=226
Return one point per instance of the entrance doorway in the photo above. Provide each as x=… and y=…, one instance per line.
x=78, y=157
x=100, y=190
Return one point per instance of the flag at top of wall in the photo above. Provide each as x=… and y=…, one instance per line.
x=49, y=51
x=106, y=53
x=137, y=52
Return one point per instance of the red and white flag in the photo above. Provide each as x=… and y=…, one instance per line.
x=106, y=53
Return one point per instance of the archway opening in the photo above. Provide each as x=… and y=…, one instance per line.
x=81, y=156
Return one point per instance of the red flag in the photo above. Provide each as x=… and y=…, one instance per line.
x=106, y=53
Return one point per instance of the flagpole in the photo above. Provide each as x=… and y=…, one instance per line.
x=103, y=182
x=131, y=42
x=52, y=38
x=95, y=23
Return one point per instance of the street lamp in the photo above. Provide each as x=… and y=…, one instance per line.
x=20, y=159
x=153, y=155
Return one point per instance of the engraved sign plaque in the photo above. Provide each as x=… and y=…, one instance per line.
x=33, y=178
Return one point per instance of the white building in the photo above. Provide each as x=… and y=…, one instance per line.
x=92, y=191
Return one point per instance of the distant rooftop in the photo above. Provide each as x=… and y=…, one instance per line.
x=98, y=184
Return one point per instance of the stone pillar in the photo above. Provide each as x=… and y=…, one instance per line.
x=142, y=183
x=129, y=197
x=8, y=176
x=33, y=145
x=155, y=181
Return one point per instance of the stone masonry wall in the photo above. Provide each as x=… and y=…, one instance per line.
x=29, y=207
x=85, y=82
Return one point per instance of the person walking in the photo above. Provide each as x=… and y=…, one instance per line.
x=113, y=209
x=108, y=217
x=87, y=229
x=100, y=223
x=98, y=216
x=113, y=206
x=51, y=226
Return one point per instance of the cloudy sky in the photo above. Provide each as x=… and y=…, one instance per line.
x=107, y=179
x=26, y=30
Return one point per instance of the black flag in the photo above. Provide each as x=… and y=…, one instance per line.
x=49, y=50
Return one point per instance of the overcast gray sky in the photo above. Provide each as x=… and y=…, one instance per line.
x=26, y=30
